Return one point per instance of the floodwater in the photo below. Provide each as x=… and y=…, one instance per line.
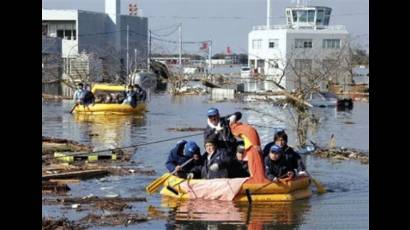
x=346, y=207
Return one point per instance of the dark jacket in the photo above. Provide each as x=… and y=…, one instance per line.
x=290, y=155
x=225, y=138
x=142, y=94
x=221, y=158
x=238, y=169
x=176, y=157
x=88, y=97
x=197, y=168
x=276, y=168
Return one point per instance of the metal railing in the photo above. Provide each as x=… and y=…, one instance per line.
x=278, y=27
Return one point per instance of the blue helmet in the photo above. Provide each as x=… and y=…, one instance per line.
x=190, y=149
x=276, y=149
x=213, y=112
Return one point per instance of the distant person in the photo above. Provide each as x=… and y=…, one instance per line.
x=131, y=97
x=276, y=166
x=79, y=94
x=141, y=93
x=281, y=139
x=218, y=129
x=239, y=167
x=89, y=97
x=182, y=152
x=215, y=161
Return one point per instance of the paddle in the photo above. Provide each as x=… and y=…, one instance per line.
x=320, y=188
x=153, y=186
x=71, y=111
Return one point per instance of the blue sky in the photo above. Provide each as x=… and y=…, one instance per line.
x=225, y=22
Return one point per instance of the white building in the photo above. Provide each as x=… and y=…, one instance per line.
x=361, y=75
x=305, y=42
x=101, y=34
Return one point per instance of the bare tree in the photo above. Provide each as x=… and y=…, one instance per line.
x=307, y=73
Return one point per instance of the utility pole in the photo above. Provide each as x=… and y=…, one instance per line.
x=209, y=56
x=180, y=47
x=149, y=50
x=135, y=58
x=127, y=49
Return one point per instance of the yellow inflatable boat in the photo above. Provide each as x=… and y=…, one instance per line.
x=296, y=189
x=109, y=108
x=104, y=109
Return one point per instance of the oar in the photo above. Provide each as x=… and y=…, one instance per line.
x=71, y=111
x=319, y=186
x=172, y=189
x=153, y=186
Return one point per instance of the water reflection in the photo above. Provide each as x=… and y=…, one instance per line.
x=207, y=214
x=108, y=131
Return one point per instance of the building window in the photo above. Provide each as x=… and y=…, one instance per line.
x=252, y=64
x=256, y=43
x=273, y=64
x=311, y=16
x=303, y=65
x=303, y=43
x=320, y=16
x=60, y=34
x=331, y=43
x=260, y=63
x=295, y=16
x=273, y=43
x=329, y=65
x=327, y=16
x=44, y=29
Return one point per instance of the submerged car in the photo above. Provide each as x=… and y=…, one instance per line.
x=327, y=99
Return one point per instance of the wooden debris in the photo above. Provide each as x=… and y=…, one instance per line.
x=104, y=203
x=83, y=174
x=343, y=154
x=54, y=187
x=188, y=129
x=114, y=219
x=60, y=224
x=65, y=181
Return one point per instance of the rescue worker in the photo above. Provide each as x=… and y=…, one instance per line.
x=89, y=97
x=79, y=94
x=216, y=161
x=182, y=152
x=276, y=166
x=218, y=129
x=253, y=152
x=131, y=97
x=239, y=167
x=294, y=159
x=141, y=93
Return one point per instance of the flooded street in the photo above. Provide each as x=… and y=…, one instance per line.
x=344, y=207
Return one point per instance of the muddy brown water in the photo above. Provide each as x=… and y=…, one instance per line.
x=345, y=207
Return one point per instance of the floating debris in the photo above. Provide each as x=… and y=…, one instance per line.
x=54, y=187
x=188, y=129
x=103, y=203
x=114, y=219
x=60, y=224
x=343, y=154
